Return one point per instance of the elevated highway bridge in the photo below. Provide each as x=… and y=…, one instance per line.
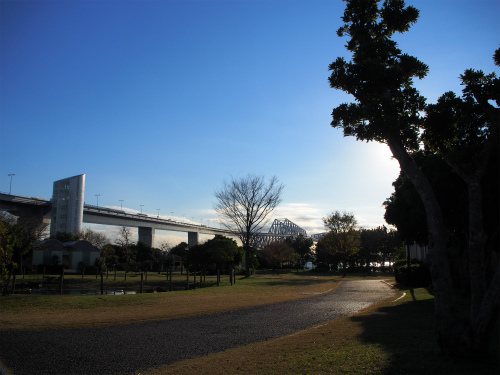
x=146, y=224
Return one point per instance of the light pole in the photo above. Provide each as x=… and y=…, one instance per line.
x=158, y=212
x=141, y=208
x=10, y=189
x=172, y=212
x=97, y=196
x=121, y=204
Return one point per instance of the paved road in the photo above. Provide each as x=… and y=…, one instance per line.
x=128, y=348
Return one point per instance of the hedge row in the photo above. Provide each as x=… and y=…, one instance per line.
x=417, y=274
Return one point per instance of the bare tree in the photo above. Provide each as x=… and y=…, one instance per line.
x=125, y=241
x=97, y=239
x=246, y=204
x=165, y=246
x=125, y=237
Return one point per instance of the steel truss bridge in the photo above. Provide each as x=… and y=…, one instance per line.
x=280, y=230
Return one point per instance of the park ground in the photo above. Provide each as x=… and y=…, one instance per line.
x=394, y=336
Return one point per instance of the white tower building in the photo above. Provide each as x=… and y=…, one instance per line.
x=67, y=205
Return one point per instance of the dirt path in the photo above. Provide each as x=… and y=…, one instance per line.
x=128, y=348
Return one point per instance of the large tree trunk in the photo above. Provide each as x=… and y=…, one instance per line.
x=456, y=337
x=247, y=260
x=484, y=297
x=451, y=335
x=476, y=249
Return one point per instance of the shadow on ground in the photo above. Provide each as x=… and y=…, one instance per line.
x=406, y=333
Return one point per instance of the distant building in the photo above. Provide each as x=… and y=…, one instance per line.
x=415, y=251
x=67, y=254
x=67, y=205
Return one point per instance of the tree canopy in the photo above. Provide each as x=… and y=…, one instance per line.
x=302, y=246
x=463, y=131
x=276, y=254
x=342, y=239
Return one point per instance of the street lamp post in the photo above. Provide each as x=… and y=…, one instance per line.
x=97, y=196
x=141, y=208
x=10, y=189
x=121, y=204
x=158, y=212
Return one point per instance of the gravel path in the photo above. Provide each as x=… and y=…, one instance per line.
x=127, y=348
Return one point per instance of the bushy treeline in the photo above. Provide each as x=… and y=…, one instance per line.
x=293, y=253
x=412, y=273
x=17, y=235
x=369, y=250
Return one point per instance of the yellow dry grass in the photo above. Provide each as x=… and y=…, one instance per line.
x=158, y=306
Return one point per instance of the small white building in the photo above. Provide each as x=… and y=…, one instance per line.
x=68, y=254
x=415, y=251
x=309, y=266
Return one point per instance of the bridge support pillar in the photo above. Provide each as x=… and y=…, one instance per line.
x=192, y=238
x=147, y=235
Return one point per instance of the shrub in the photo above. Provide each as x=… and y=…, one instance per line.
x=416, y=275
x=321, y=267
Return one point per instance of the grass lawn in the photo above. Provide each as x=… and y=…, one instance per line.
x=390, y=337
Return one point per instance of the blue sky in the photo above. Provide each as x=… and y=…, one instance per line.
x=159, y=102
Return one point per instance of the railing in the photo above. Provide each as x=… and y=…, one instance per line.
x=24, y=199
x=140, y=216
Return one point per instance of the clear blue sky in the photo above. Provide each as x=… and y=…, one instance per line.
x=159, y=102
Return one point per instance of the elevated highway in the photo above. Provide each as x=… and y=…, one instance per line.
x=41, y=208
x=146, y=224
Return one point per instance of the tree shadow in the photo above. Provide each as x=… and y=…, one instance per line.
x=403, y=288
x=406, y=332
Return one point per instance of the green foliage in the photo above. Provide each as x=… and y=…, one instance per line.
x=277, y=254
x=379, y=76
x=196, y=257
x=223, y=250
x=342, y=240
x=406, y=212
x=219, y=251
x=302, y=246
x=179, y=249
x=109, y=254
x=376, y=246
x=463, y=131
x=416, y=274
x=7, y=244
x=100, y=265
